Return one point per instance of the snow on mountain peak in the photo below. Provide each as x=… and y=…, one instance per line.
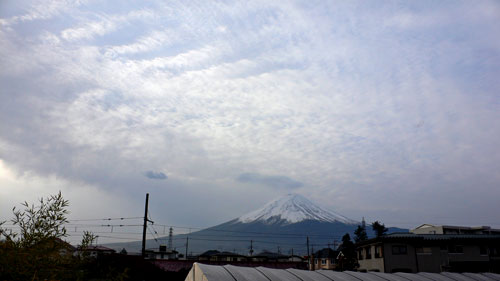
x=293, y=208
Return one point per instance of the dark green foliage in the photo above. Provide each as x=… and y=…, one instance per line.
x=360, y=234
x=347, y=257
x=379, y=228
x=37, y=251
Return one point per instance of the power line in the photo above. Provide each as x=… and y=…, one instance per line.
x=251, y=232
x=106, y=219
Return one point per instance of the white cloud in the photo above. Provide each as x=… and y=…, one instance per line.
x=43, y=10
x=327, y=96
x=104, y=25
x=146, y=43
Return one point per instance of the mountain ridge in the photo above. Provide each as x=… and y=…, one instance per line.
x=282, y=225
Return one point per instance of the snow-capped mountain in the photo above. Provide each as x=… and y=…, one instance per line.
x=283, y=224
x=293, y=208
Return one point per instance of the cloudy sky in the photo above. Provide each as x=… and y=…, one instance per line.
x=383, y=109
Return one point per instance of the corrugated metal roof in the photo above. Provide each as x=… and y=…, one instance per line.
x=237, y=273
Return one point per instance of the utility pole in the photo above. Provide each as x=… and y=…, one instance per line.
x=308, y=257
x=251, y=247
x=187, y=246
x=146, y=220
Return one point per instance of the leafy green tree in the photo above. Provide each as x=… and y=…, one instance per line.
x=379, y=228
x=37, y=251
x=360, y=234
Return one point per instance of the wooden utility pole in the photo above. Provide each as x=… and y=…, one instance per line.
x=145, y=226
x=187, y=246
x=308, y=257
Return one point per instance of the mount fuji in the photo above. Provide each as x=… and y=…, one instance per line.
x=283, y=225
x=291, y=209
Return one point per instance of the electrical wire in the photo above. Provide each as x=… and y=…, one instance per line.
x=106, y=219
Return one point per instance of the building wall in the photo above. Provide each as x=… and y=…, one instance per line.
x=399, y=262
x=374, y=263
x=470, y=253
x=428, y=230
x=430, y=259
x=318, y=264
x=433, y=256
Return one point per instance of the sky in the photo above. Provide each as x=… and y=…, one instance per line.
x=386, y=110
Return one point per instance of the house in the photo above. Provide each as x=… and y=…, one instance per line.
x=267, y=256
x=162, y=254
x=214, y=255
x=229, y=257
x=95, y=251
x=206, y=256
x=410, y=252
x=324, y=259
x=448, y=229
x=295, y=258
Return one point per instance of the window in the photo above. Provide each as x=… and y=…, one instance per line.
x=315, y=261
x=455, y=249
x=378, y=251
x=368, y=253
x=424, y=250
x=399, y=250
x=360, y=254
x=323, y=261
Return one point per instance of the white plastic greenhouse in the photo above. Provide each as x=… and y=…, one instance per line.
x=204, y=272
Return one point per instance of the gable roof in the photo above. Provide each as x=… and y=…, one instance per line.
x=325, y=253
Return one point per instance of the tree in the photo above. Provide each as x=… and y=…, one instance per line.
x=36, y=251
x=360, y=234
x=379, y=228
x=346, y=240
x=43, y=222
x=347, y=258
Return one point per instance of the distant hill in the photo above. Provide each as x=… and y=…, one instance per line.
x=281, y=225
